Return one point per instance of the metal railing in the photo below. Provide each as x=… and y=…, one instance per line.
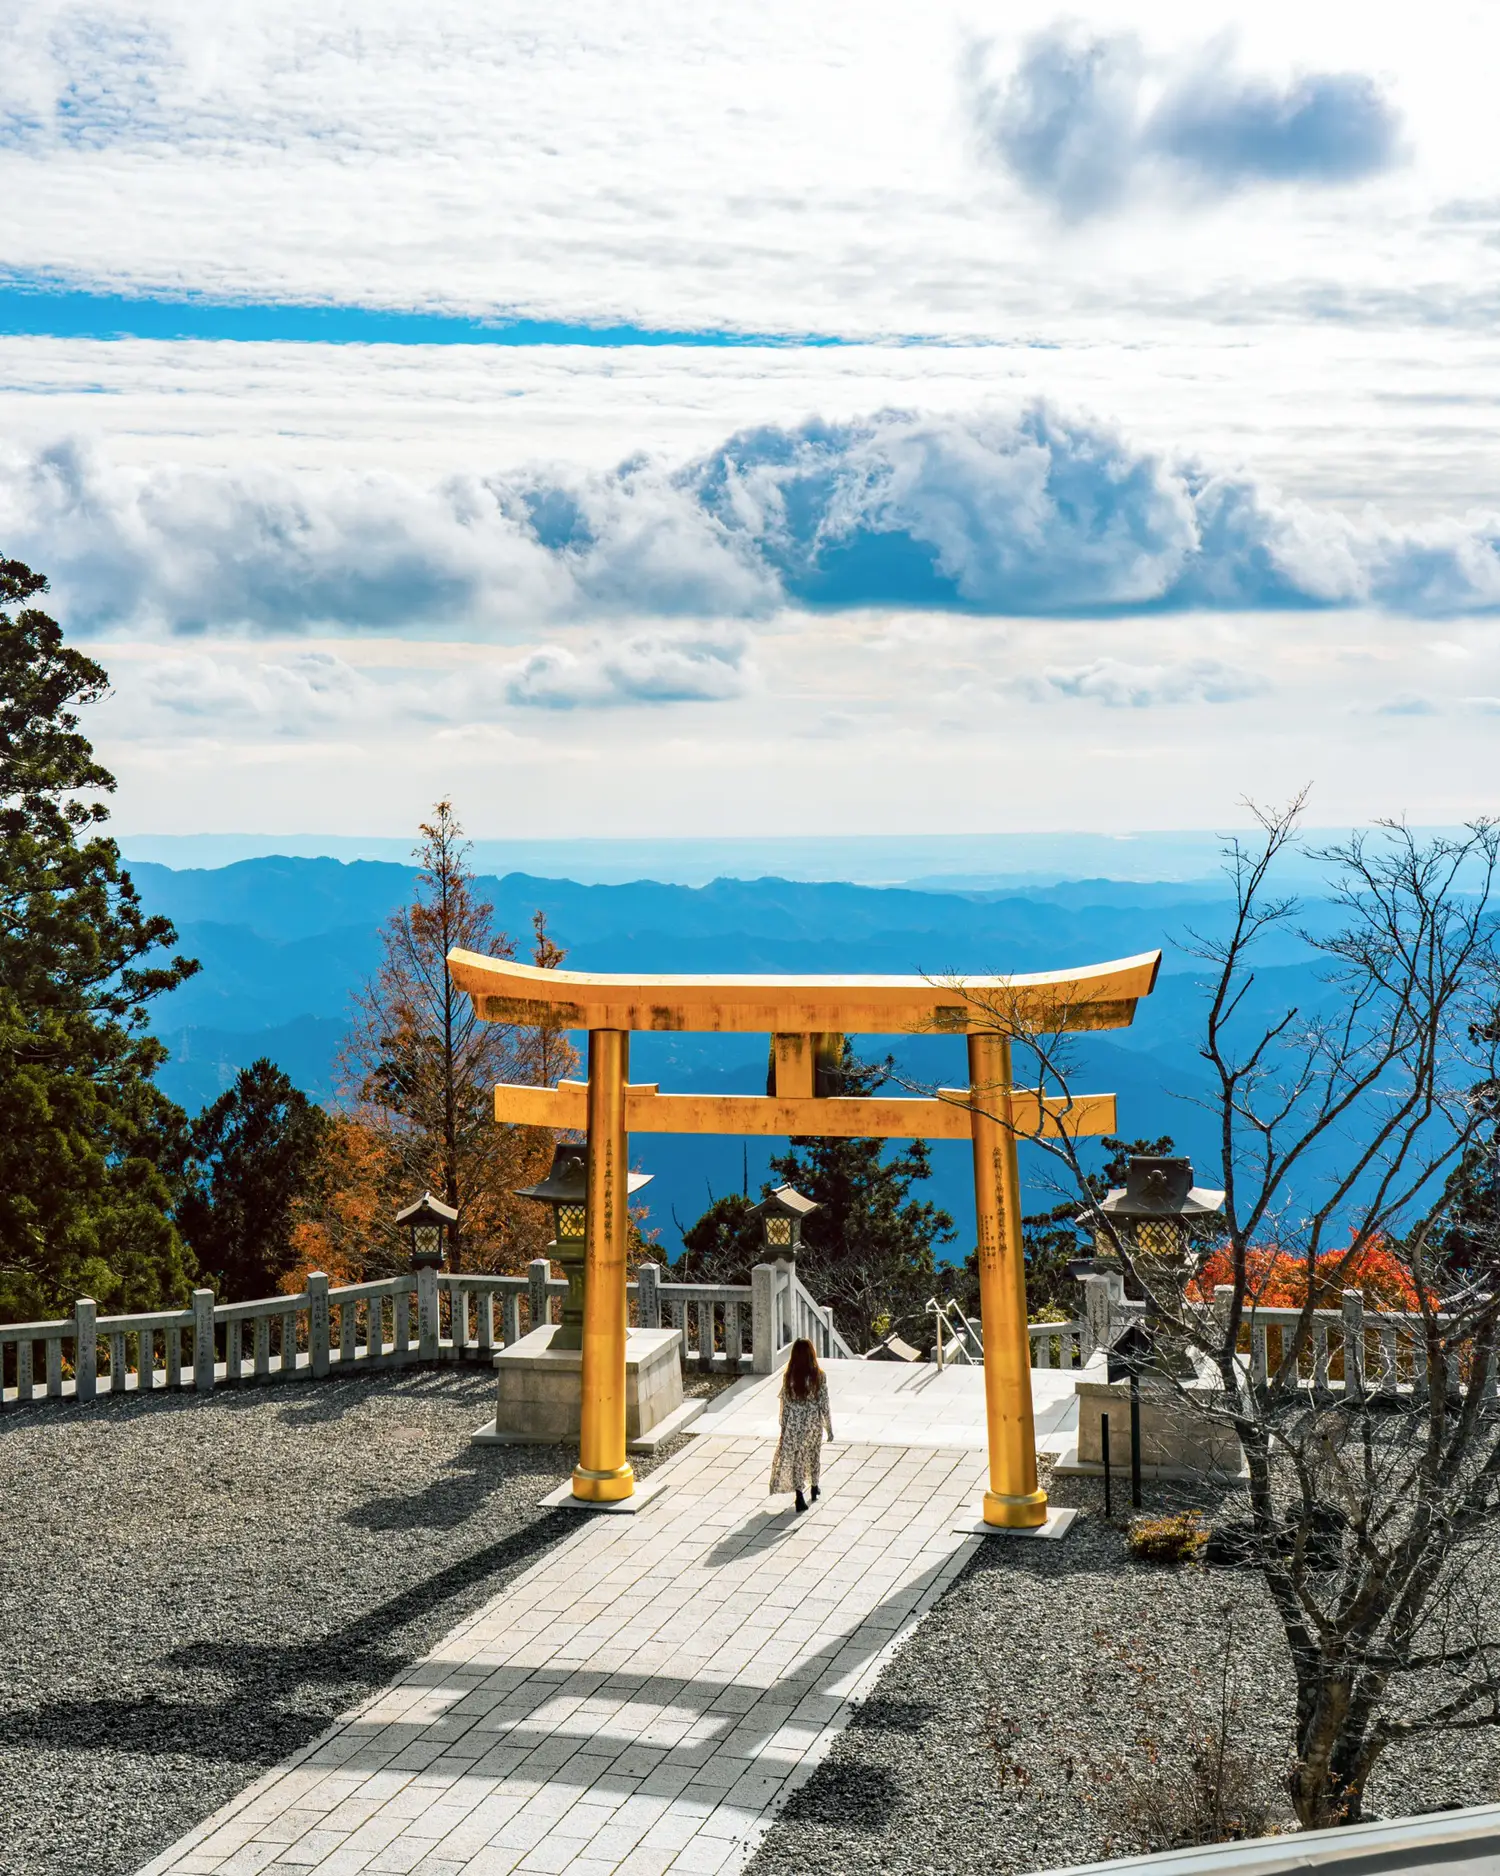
x=959, y=1339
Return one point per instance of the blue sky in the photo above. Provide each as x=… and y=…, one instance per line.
x=679, y=420
x=40, y=308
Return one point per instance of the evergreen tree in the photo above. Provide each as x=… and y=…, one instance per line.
x=723, y=1245
x=1468, y=1232
x=868, y=1249
x=84, y=1132
x=252, y=1155
x=1054, y=1238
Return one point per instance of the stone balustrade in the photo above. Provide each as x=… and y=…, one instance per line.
x=1352, y=1348
x=1058, y=1344
x=424, y=1316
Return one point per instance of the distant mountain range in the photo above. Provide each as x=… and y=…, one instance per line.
x=931, y=859
x=285, y=940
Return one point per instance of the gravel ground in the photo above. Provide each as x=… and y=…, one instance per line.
x=192, y=1589
x=1054, y=1689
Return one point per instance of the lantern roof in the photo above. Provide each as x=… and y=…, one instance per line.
x=567, y=1181
x=786, y=1202
x=1161, y=1188
x=427, y=1207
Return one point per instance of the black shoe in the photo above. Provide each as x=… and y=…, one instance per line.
x=816, y=1494
x=801, y=1502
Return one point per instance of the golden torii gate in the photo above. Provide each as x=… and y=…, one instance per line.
x=807, y=1019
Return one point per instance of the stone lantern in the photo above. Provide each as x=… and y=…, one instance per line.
x=1153, y=1214
x=781, y=1215
x=1145, y=1370
x=566, y=1190
x=428, y=1221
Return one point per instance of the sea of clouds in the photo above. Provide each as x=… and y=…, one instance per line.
x=1021, y=513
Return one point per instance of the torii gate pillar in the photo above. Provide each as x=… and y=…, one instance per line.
x=603, y=1473
x=1013, y=1501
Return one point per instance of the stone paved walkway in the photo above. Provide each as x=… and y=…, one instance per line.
x=878, y=1403
x=643, y=1699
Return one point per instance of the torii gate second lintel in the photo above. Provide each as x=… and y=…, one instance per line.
x=807, y=1018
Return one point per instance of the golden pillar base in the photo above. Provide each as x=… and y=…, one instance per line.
x=1024, y=1512
x=603, y=1488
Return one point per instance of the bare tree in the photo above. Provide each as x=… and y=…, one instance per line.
x=1347, y=1127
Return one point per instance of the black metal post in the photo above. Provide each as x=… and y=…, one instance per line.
x=1109, y=1509
x=1135, y=1442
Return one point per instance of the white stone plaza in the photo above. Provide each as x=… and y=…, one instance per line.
x=646, y=1697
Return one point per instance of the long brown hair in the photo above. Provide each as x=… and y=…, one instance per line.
x=802, y=1371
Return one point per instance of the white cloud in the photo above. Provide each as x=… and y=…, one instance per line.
x=237, y=692
x=645, y=669
x=1121, y=685
x=304, y=692
x=1085, y=120
x=1000, y=513
x=253, y=548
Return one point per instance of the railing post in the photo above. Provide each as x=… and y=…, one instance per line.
x=203, y=1344
x=705, y=1336
x=763, y=1301
x=537, y=1273
x=1260, y=1354
x=1353, y=1309
x=648, y=1296
x=85, y=1349
x=427, y=1314
x=317, y=1322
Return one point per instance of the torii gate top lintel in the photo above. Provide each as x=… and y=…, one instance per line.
x=1098, y=996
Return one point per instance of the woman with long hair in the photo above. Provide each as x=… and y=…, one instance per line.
x=804, y=1421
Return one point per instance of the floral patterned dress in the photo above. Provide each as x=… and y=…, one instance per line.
x=799, y=1451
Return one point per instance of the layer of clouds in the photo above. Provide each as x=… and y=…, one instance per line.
x=1084, y=122
x=550, y=160
x=1030, y=513
x=299, y=694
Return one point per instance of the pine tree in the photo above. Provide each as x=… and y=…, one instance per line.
x=1054, y=1238
x=252, y=1155
x=868, y=1250
x=723, y=1245
x=1469, y=1231
x=85, y=1135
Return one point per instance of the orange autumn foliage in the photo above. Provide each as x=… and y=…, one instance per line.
x=1278, y=1279
x=355, y=1190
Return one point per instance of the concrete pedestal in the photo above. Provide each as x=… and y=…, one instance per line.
x=538, y=1387
x=1175, y=1442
